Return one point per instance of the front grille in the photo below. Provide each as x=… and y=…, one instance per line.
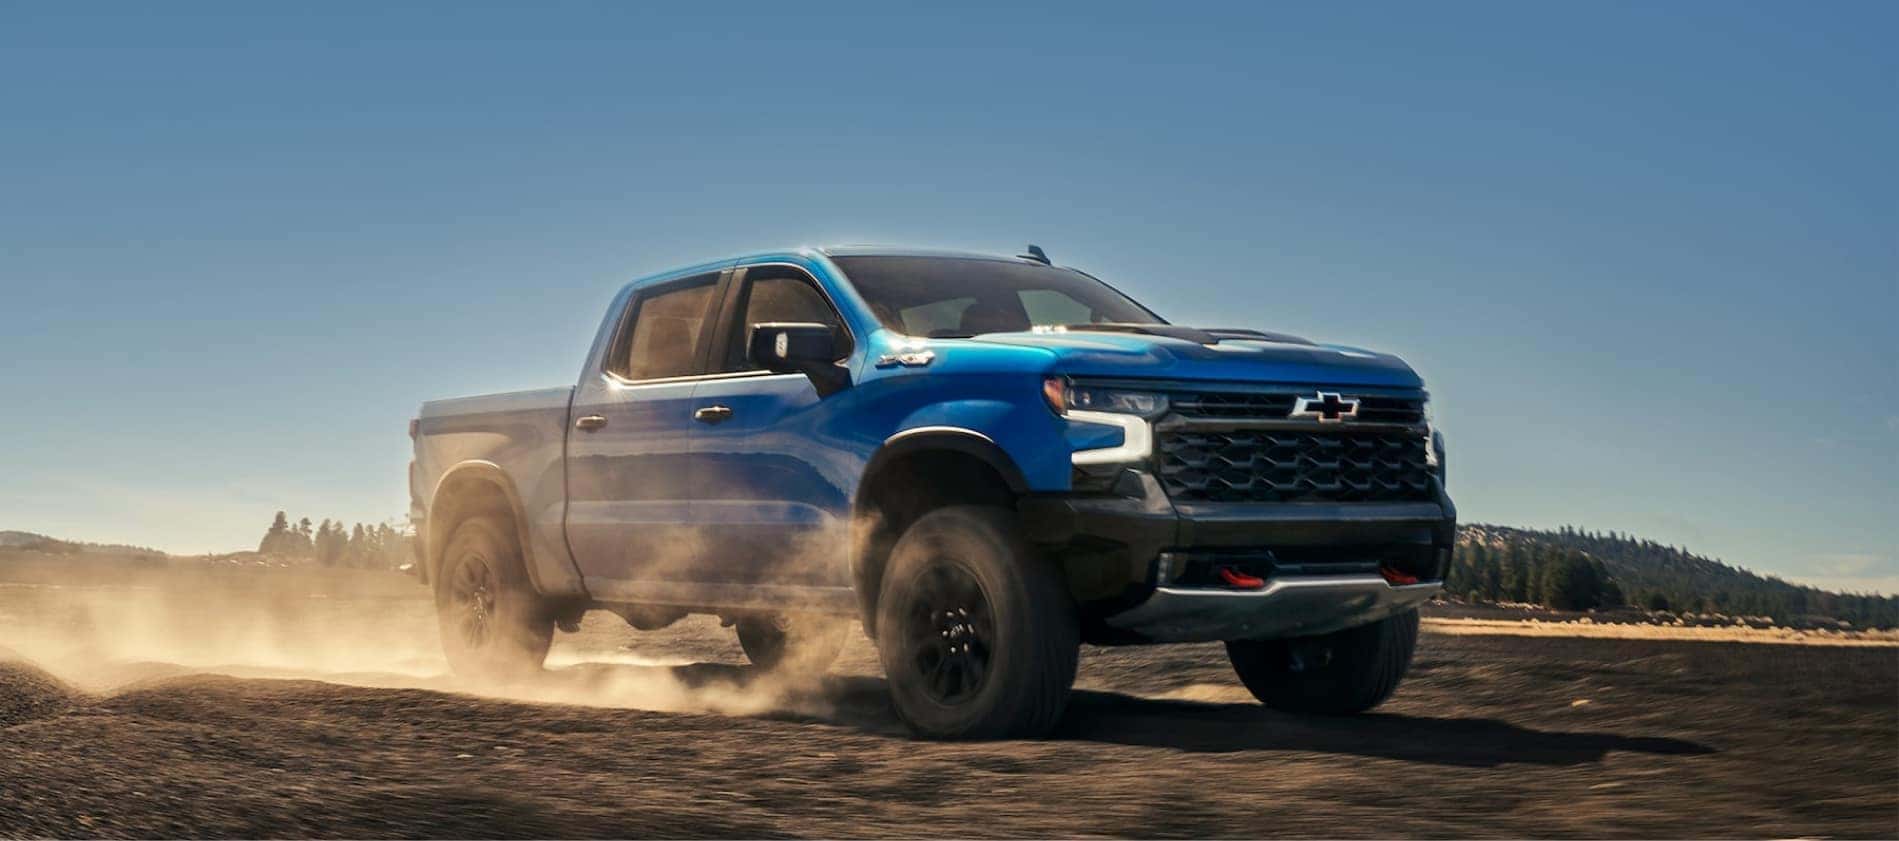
x=1218, y=404
x=1294, y=465
x=1406, y=410
x=1235, y=405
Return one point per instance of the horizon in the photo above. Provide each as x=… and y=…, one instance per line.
x=394, y=522
x=1652, y=295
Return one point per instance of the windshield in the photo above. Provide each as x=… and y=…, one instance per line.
x=958, y=297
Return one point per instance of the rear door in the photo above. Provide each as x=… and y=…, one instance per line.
x=769, y=491
x=628, y=454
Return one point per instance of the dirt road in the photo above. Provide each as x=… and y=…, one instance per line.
x=1491, y=736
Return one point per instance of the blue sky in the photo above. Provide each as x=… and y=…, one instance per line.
x=1644, y=257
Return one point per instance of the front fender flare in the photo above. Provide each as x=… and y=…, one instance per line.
x=953, y=438
x=868, y=540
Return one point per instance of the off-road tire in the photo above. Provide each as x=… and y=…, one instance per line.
x=964, y=576
x=509, y=635
x=1341, y=673
x=797, y=644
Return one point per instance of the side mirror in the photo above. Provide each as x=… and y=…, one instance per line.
x=799, y=348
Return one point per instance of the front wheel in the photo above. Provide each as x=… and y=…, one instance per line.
x=1340, y=673
x=493, y=624
x=977, y=633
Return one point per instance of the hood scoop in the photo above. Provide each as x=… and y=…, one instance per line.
x=1211, y=336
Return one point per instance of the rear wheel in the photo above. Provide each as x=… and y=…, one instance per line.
x=977, y=633
x=1341, y=673
x=796, y=643
x=492, y=622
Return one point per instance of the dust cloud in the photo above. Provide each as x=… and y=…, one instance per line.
x=106, y=627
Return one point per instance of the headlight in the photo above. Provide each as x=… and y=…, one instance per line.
x=1434, y=455
x=1128, y=409
x=1064, y=397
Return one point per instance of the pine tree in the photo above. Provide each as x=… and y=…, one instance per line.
x=386, y=548
x=1611, y=594
x=1510, y=584
x=305, y=543
x=274, y=539
x=1569, y=583
x=1473, y=562
x=329, y=543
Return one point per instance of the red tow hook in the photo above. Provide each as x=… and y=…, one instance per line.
x=1240, y=580
x=1396, y=578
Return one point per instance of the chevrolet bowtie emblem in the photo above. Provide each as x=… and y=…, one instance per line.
x=1325, y=407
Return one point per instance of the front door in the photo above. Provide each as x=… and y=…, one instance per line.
x=769, y=491
x=628, y=456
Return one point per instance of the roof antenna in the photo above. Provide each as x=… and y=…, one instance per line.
x=1035, y=253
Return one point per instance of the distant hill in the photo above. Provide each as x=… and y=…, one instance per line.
x=1576, y=569
x=21, y=538
x=27, y=541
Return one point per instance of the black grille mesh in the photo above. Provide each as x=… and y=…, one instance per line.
x=1345, y=465
x=1389, y=410
x=1234, y=405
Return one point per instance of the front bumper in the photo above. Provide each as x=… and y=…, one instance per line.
x=1287, y=607
x=1123, y=552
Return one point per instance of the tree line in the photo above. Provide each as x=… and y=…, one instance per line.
x=378, y=546
x=1532, y=573
x=1576, y=569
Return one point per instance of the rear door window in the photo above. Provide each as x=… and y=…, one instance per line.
x=663, y=339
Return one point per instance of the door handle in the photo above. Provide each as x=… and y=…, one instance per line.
x=712, y=414
x=590, y=423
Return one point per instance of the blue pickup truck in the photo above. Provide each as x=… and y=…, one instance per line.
x=985, y=460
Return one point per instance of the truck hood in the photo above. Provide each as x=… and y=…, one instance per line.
x=1232, y=356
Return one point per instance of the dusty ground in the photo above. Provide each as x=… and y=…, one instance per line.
x=183, y=705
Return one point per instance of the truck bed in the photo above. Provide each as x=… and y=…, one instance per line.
x=521, y=434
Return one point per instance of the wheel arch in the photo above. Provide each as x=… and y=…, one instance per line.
x=469, y=488
x=913, y=472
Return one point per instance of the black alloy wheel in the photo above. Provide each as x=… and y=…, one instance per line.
x=951, y=633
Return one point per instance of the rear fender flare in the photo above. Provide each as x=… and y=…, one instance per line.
x=466, y=474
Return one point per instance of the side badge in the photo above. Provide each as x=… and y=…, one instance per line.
x=909, y=359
